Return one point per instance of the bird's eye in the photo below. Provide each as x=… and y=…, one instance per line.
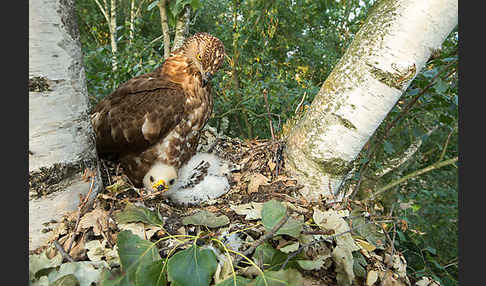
x=171, y=182
x=151, y=179
x=199, y=57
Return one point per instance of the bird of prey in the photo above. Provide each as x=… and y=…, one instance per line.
x=153, y=121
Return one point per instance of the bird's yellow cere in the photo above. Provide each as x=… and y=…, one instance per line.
x=160, y=185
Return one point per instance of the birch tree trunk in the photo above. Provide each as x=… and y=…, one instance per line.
x=165, y=26
x=111, y=21
x=114, y=47
x=132, y=22
x=182, y=28
x=390, y=49
x=61, y=140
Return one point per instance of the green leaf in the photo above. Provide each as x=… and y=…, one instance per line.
x=240, y=281
x=388, y=147
x=43, y=281
x=272, y=213
x=196, y=4
x=135, y=252
x=369, y=231
x=109, y=279
x=265, y=254
x=192, y=267
x=152, y=5
x=206, y=218
x=284, y=277
x=292, y=227
x=133, y=213
x=86, y=272
x=151, y=275
x=413, y=91
x=41, y=261
x=431, y=250
x=66, y=280
x=441, y=86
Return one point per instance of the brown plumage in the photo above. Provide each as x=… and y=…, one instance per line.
x=153, y=121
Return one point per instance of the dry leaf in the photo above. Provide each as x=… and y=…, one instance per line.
x=371, y=278
x=256, y=180
x=95, y=219
x=271, y=165
x=251, y=211
x=365, y=245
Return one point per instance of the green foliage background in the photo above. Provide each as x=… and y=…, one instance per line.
x=287, y=48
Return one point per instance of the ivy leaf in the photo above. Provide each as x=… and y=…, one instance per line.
x=192, y=267
x=133, y=213
x=135, y=252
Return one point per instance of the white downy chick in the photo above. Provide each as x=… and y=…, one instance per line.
x=204, y=177
x=160, y=177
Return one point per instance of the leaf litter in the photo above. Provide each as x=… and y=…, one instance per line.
x=128, y=239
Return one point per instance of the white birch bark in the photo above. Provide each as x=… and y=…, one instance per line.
x=111, y=21
x=390, y=49
x=134, y=13
x=182, y=28
x=132, y=20
x=114, y=47
x=61, y=140
x=165, y=27
x=396, y=162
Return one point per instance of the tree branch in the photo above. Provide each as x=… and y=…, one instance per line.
x=396, y=162
x=104, y=14
x=413, y=175
x=446, y=144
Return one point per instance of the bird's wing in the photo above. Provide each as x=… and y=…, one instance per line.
x=140, y=112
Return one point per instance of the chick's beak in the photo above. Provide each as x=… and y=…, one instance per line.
x=206, y=78
x=160, y=186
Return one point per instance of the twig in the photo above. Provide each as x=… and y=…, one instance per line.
x=446, y=144
x=263, y=238
x=63, y=253
x=80, y=209
x=300, y=103
x=392, y=124
x=412, y=175
x=265, y=96
x=107, y=172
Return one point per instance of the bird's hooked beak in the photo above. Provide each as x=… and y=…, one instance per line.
x=160, y=186
x=206, y=78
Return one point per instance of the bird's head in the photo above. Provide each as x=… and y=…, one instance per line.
x=207, y=53
x=160, y=177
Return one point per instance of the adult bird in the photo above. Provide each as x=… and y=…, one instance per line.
x=153, y=121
